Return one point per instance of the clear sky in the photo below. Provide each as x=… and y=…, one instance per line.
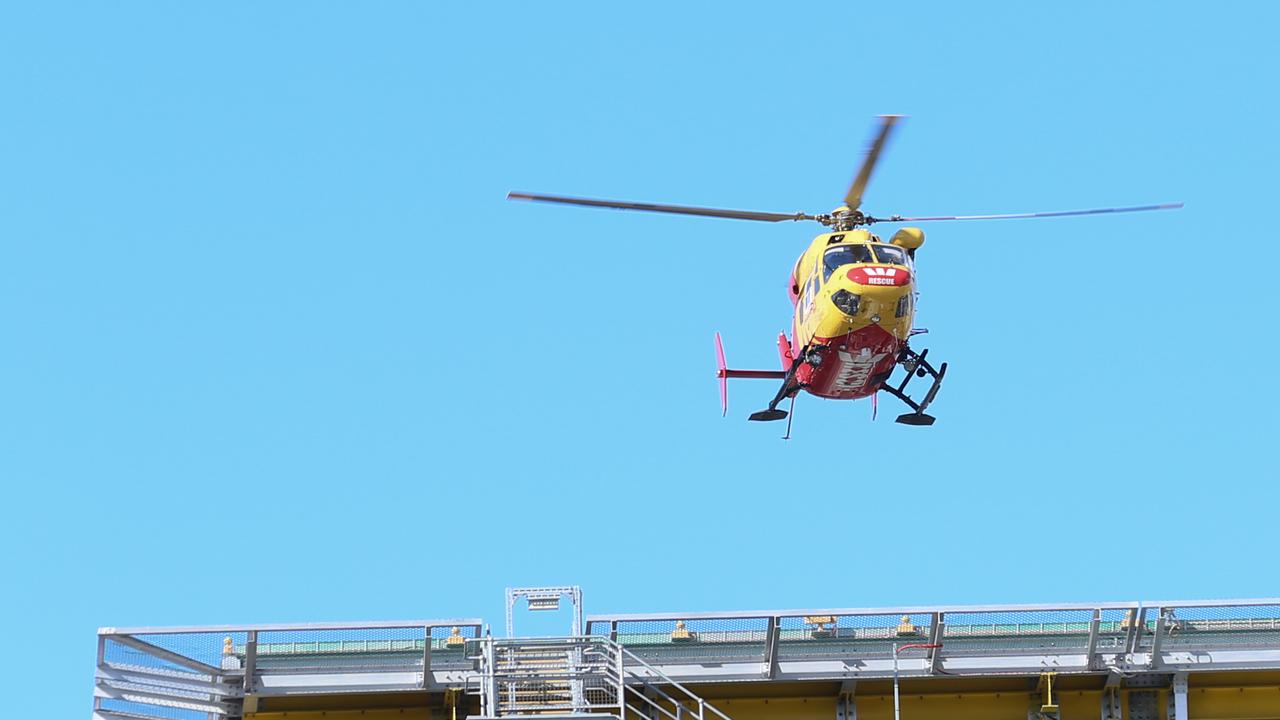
x=275, y=347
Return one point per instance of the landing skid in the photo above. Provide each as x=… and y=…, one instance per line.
x=788, y=388
x=916, y=365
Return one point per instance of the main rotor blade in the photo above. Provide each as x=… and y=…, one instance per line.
x=853, y=198
x=652, y=207
x=1016, y=216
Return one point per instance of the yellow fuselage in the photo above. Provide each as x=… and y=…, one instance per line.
x=854, y=305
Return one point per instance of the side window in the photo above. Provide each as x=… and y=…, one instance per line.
x=904, y=305
x=808, y=296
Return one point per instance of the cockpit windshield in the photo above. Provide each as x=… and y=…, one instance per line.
x=891, y=254
x=844, y=255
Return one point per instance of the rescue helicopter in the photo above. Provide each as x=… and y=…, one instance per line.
x=853, y=296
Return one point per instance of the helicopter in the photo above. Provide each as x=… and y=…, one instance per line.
x=853, y=296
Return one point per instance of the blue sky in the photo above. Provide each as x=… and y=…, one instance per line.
x=277, y=349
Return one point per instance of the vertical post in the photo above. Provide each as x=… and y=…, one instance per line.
x=511, y=624
x=846, y=703
x=936, y=634
x=576, y=671
x=490, y=679
x=1136, y=627
x=250, y=660
x=622, y=678
x=1177, y=703
x=771, y=633
x=897, y=711
x=576, y=596
x=428, y=680
x=1111, y=709
x=1155, y=659
x=1095, y=626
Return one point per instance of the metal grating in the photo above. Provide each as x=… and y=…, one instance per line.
x=678, y=640
x=1220, y=626
x=1113, y=629
x=806, y=637
x=967, y=633
x=394, y=648
x=142, y=672
x=205, y=648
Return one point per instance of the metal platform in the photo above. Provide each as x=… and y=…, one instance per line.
x=225, y=671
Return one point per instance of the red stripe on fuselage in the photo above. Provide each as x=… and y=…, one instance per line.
x=852, y=365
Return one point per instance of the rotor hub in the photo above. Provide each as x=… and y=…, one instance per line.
x=843, y=219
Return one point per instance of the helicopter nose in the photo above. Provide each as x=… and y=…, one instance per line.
x=893, y=276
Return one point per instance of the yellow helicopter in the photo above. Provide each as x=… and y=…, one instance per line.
x=854, y=299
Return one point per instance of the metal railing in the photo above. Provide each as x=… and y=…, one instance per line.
x=205, y=672
x=580, y=676
x=823, y=643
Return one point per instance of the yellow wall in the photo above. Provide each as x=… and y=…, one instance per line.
x=1239, y=703
x=1261, y=702
x=383, y=714
x=1236, y=703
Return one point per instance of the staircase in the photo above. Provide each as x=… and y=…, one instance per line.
x=580, y=678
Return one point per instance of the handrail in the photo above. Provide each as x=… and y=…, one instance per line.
x=665, y=678
x=292, y=627
x=926, y=610
x=585, y=656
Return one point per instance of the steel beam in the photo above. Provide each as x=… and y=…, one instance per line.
x=846, y=703
x=1111, y=707
x=104, y=690
x=1176, y=704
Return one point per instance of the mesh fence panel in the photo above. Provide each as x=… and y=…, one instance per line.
x=1113, y=629
x=452, y=645
x=205, y=648
x=1220, y=626
x=391, y=648
x=1145, y=623
x=725, y=639
x=1013, y=631
x=849, y=636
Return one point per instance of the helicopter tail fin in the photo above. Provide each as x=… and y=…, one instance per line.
x=724, y=373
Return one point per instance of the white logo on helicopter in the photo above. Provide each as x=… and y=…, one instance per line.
x=855, y=369
x=881, y=276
